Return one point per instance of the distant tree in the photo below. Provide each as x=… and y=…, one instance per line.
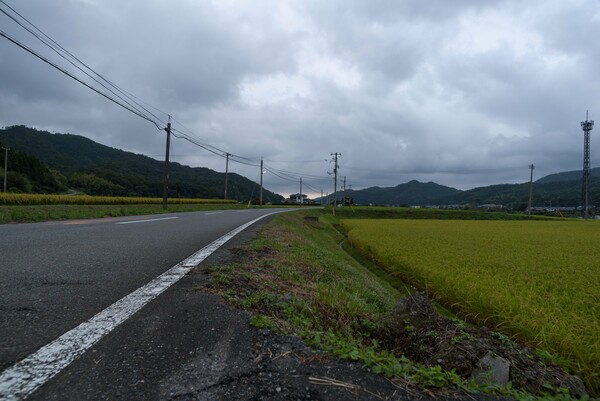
x=60, y=181
x=94, y=185
x=18, y=183
x=30, y=174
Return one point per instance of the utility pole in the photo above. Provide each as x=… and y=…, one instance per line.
x=261, y=187
x=166, y=173
x=5, y=166
x=301, y=200
x=226, y=173
x=531, y=166
x=335, y=170
x=587, y=126
x=321, y=196
x=344, y=196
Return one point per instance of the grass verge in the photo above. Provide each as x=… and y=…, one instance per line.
x=296, y=279
x=37, y=213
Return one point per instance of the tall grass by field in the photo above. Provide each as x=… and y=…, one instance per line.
x=18, y=208
x=536, y=280
x=380, y=212
x=11, y=199
x=38, y=213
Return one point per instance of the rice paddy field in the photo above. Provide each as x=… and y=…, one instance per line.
x=538, y=281
x=41, y=199
x=21, y=208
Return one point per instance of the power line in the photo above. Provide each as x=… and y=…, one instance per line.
x=56, y=47
x=130, y=102
x=311, y=187
x=214, y=150
x=298, y=161
x=275, y=173
x=33, y=52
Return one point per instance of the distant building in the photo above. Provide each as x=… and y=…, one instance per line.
x=491, y=207
x=346, y=201
x=298, y=198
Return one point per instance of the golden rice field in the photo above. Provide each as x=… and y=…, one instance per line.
x=10, y=199
x=536, y=280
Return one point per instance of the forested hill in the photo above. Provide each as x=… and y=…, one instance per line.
x=29, y=174
x=101, y=170
x=568, y=176
x=559, y=190
x=410, y=193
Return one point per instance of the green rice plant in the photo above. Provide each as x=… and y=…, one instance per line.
x=537, y=280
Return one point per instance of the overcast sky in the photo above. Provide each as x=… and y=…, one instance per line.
x=464, y=93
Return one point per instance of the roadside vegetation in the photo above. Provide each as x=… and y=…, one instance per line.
x=375, y=212
x=11, y=199
x=296, y=279
x=18, y=208
x=537, y=281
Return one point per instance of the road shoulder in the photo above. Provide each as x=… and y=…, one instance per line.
x=188, y=344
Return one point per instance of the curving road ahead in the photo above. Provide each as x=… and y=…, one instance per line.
x=56, y=275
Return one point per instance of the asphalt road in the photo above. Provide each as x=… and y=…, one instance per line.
x=55, y=275
x=184, y=344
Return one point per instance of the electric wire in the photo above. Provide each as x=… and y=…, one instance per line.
x=70, y=62
x=280, y=176
x=213, y=149
x=136, y=106
x=298, y=175
x=310, y=187
x=192, y=135
x=33, y=52
x=56, y=47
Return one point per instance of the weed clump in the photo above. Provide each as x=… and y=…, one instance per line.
x=414, y=329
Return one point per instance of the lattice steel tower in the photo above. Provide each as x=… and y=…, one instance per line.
x=586, y=126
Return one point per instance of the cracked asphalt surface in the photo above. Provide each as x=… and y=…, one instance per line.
x=189, y=345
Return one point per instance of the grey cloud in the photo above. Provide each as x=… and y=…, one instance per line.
x=397, y=87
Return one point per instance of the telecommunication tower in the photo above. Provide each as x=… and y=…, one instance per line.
x=586, y=126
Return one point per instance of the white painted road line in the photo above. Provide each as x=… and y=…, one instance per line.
x=23, y=378
x=147, y=220
x=208, y=214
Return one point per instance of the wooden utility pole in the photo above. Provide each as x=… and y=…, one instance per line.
x=261, y=187
x=5, y=167
x=335, y=170
x=226, y=174
x=301, y=200
x=531, y=166
x=166, y=173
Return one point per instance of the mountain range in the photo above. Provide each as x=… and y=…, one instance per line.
x=51, y=163
x=561, y=189
x=80, y=163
